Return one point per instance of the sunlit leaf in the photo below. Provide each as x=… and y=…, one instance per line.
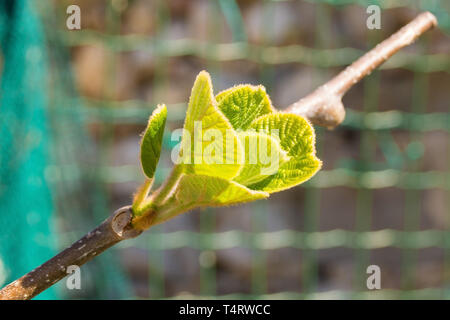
x=263, y=157
x=198, y=190
x=152, y=139
x=244, y=103
x=202, y=116
x=235, y=148
x=297, y=138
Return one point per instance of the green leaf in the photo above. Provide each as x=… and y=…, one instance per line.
x=263, y=157
x=297, y=138
x=235, y=148
x=198, y=190
x=222, y=155
x=243, y=104
x=152, y=139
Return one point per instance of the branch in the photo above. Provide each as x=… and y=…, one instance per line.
x=113, y=230
x=322, y=107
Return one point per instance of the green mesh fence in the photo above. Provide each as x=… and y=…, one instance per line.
x=389, y=158
x=25, y=200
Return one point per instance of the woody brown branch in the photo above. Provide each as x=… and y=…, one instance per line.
x=113, y=230
x=322, y=107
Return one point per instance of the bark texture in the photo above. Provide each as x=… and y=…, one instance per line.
x=324, y=106
x=113, y=230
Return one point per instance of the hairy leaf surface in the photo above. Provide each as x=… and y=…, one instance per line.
x=203, y=115
x=152, y=139
x=201, y=190
x=297, y=138
x=263, y=157
x=244, y=103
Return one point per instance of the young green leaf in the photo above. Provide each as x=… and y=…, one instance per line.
x=235, y=148
x=297, y=138
x=242, y=104
x=152, y=139
x=215, y=148
x=198, y=190
x=263, y=156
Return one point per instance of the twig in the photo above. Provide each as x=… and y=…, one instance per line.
x=113, y=230
x=322, y=107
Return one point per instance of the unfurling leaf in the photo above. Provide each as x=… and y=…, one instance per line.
x=235, y=148
x=152, y=139
x=263, y=156
x=210, y=134
x=244, y=103
x=197, y=190
x=272, y=151
x=297, y=138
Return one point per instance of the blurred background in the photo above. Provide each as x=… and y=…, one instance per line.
x=73, y=105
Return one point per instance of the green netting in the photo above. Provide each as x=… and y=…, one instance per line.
x=25, y=201
x=35, y=80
